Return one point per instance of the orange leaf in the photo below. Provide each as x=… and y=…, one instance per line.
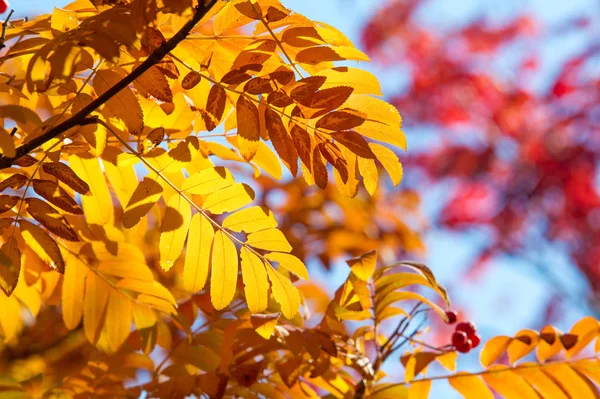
x=51, y=219
x=65, y=174
x=215, y=106
x=248, y=127
x=281, y=140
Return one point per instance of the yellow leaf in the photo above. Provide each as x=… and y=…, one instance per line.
x=224, y=271
x=264, y=324
x=270, y=240
x=10, y=265
x=10, y=317
x=151, y=287
x=448, y=360
x=368, y=170
x=98, y=206
x=289, y=262
x=535, y=377
x=570, y=381
x=174, y=230
x=363, y=82
x=7, y=145
x=63, y=20
x=256, y=285
x=229, y=198
x=147, y=193
x=389, y=160
x=197, y=255
x=364, y=266
x=266, y=159
x=586, y=330
x=419, y=390
x=389, y=391
x=549, y=344
x=509, y=384
x=154, y=82
x=284, y=293
x=493, y=349
x=94, y=306
x=208, y=181
x=524, y=342
x=248, y=127
x=251, y=219
x=43, y=245
x=470, y=386
x=73, y=290
x=124, y=104
x=118, y=319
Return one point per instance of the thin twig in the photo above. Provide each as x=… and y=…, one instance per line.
x=4, y=26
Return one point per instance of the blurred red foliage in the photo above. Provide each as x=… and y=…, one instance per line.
x=524, y=158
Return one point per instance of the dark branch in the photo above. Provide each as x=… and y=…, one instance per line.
x=79, y=118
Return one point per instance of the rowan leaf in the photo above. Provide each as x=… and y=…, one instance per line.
x=98, y=207
x=250, y=219
x=224, y=270
x=229, y=199
x=174, y=230
x=51, y=219
x=248, y=127
x=198, y=253
x=65, y=174
x=191, y=80
x=281, y=140
x=208, y=180
x=269, y=240
x=289, y=262
x=10, y=265
x=147, y=193
x=284, y=293
x=73, y=290
x=94, y=306
x=124, y=104
x=254, y=276
x=215, y=106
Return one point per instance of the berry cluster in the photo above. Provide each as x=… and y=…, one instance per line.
x=465, y=335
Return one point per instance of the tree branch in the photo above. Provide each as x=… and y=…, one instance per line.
x=77, y=119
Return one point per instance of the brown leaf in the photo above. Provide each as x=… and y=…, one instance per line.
x=168, y=68
x=319, y=169
x=7, y=202
x=14, y=182
x=330, y=98
x=568, y=340
x=340, y=120
x=25, y=161
x=304, y=144
x=10, y=265
x=275, y=14
x=334, y=156
x=249, y=9
x=259, y=86
x=153, y=138
x=215, y=106
x=152, y=39
x=305, y=88
x=155, y=83
x=55, y=194
x=124, y=104
x=248, y=127
x=43, y=245
x=282, y=75
x=291, y=370
x=191, y=80
x=236, y=77
x=65, y=174
x=281, y=140
x=51, y=219
x=279, y=98
x=355, y=143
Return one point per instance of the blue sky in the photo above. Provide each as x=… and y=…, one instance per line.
x=509, y=296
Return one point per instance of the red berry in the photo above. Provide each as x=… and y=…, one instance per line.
x=459, y=338
x=467, y=327
x=475, y=340
x=452, y=316
x=3, y=6
x=464, y=348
